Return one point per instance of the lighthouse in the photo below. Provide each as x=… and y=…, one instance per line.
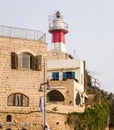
x=58, y=28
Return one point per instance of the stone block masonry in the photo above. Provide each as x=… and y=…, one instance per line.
x=19, y=96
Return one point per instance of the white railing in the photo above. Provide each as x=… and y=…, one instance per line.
x=28, y=34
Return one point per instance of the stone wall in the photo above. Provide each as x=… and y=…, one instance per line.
x=57, y=55
x=33, y=121
x=27, y=82
x=24, y=81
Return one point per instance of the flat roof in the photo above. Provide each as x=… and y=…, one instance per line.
x=22, y=33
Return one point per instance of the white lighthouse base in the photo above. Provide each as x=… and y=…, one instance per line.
x=59, y=46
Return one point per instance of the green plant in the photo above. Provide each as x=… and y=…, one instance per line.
x=95, y=118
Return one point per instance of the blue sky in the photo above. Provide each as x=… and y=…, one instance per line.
x=91, y=29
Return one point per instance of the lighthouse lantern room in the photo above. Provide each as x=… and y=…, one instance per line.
x=58, y=28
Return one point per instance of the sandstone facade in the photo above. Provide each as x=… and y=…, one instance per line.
x=23, y=68
x=20, y=82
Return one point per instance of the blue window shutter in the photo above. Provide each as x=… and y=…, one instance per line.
x=57, y=75
x=73, y=75
x=53, y=76
x=64, y=75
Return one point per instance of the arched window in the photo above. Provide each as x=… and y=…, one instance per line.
x=77, y=99
x=25, y=60
x=8, y=118
x=18, y=99
x=55, y=95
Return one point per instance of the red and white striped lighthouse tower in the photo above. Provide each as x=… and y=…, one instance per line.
x=58, y=28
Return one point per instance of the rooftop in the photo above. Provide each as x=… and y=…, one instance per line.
x=23, y=33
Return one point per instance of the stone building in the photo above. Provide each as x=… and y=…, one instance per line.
x=25, y=67
x=66, y=76
x=22, y=54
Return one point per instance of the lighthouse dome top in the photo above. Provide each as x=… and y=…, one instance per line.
x=58, y=15
x=56, y=23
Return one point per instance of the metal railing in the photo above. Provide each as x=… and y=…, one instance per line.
x=51, y=26
x=28, y=34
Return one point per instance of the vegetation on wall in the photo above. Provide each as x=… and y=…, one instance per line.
x=111, y=102
x=94, y=118
x=96, y=115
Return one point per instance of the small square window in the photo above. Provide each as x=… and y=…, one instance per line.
x=55, y=75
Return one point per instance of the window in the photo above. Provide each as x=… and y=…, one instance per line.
x=68, y=75
x=55, y=95
x=8, y=118
x=18, y=99
x=77, y=99
x=1, y=126
x=26, y=60
x=55, y=75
